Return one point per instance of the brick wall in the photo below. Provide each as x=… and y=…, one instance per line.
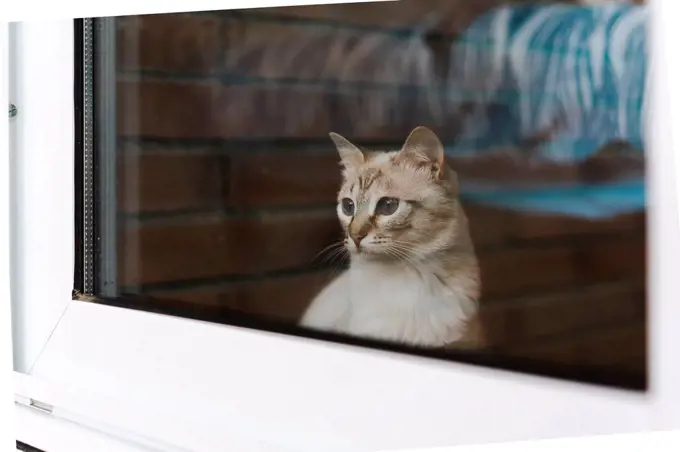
x=226, y=196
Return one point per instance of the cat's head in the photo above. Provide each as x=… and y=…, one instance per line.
x=397, y=205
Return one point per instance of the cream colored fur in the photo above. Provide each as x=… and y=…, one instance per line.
x=413, y=276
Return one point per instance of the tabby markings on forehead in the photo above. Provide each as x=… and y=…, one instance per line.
x=367, y=178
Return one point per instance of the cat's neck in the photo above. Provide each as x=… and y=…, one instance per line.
x=433, y=263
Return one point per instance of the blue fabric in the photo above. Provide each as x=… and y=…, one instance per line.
x=585, y=64
x=538, y=64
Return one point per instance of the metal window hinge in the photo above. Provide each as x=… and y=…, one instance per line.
x=42, y=406
x=35, y=404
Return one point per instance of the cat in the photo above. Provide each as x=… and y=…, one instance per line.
x=413, y=276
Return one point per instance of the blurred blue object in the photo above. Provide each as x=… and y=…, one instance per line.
x=584, y=68
x=583, y=201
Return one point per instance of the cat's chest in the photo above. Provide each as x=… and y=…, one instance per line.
x=402, y=305
x=390, y=290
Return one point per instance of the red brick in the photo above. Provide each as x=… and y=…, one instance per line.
x=312, y=51
x=281, y=298
x=262, y=111
x=525, y=319
x=278, y=298
x=313, y=177
x=164, y=182
x=170, y=110
x=164, y=109
x=214, y=247
x=500, y=168
x=488, y=225
x=175, y=110
x=168, y=42
x=204, y=248
x=491, y=226
x=620, y=259
x=453, y=15
x=602, y=347
x=378, y=14
x=405, y=13
x=528, y=226
x=283, y=178
x=200, y=297
x=507, y=272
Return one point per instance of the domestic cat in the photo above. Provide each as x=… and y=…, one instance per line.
x=413, y=276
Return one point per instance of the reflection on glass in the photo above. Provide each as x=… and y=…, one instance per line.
x=248, y=149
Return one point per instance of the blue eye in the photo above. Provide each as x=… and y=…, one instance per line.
x=386, y=206
x=347, y=206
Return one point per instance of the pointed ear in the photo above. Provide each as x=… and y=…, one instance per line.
x=424, y=146
x=350, y=155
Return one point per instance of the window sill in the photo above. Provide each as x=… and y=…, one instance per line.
x=48, y=433
x=161, y=380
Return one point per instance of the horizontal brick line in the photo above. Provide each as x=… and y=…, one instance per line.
x=221, y=48
x=226, y=281
x=337, y=86
x=541, y=291
x=492, y=302
x=560, y=241
x=533, y=298
x=423, y=30
x=144, y=217
x=144, y=145
x=536, y=296
x=397, y=32
x=244, y=15
x=193, y=14
x=585, y=333
x=509, y=244
x=498, y=301
x=139, y=76
x=255, y=144
x=229, y=79
x=133, y=147
x=189, y=215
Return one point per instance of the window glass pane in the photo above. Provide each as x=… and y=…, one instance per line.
x=510, y=223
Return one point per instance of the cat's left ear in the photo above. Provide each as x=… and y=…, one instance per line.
x=424, y=146
x=350, y=155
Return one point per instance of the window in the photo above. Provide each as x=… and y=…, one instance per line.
x=205, y=200
x=215, y=183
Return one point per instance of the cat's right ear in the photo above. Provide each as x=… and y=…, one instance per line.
x=350, y=155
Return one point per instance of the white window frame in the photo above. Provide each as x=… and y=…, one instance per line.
x=126, y=379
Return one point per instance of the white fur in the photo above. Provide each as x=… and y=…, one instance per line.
x=391, y=302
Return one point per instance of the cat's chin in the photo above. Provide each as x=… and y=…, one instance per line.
x=368, y=255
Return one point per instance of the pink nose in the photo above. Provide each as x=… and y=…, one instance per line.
x=357, y=239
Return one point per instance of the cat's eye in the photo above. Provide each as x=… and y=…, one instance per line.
x=347, y=206
x=386, y=206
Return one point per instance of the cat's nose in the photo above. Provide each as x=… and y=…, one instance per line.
x=358, y=238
